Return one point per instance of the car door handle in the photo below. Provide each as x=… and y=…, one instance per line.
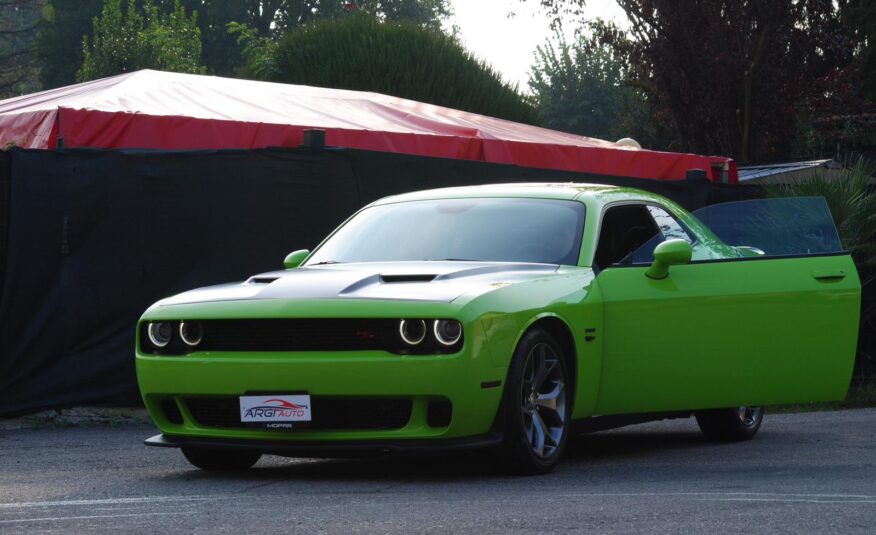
x=827, y=275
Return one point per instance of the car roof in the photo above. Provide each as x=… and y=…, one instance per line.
x=602, y=193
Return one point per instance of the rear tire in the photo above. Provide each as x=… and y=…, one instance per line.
x=220, y=459
x=538, y=405
x=730, y=425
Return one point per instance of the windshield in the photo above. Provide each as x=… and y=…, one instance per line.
x=493, y=230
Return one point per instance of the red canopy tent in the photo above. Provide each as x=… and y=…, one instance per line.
x=162, y=110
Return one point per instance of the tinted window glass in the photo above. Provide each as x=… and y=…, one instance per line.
x=780, y=226
x=670, y=229
x=499, y=230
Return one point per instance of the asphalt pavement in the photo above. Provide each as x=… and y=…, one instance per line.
x=804, y=473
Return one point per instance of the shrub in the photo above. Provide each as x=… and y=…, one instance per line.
x=851, y=204
x=128, y=40
x=402, y=59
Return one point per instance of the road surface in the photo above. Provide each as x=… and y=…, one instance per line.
x=812, y=473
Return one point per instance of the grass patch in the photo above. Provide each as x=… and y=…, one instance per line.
x=859, y=396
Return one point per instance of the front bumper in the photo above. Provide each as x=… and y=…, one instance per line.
x=321, y=449
x=468, y=380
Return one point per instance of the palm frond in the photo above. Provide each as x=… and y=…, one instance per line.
x=852, y=204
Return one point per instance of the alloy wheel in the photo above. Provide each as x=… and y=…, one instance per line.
x=543, y=400
x=749, y=416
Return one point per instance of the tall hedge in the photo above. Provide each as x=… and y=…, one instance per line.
x=362, y=53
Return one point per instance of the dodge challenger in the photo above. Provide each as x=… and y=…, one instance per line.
x=507, y=317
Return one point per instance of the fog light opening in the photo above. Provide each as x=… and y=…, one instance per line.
x=171, y=411
x=439, y=413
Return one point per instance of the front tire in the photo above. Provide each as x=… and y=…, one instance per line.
x=220, y=459
x=537, y=404
x=730, y=425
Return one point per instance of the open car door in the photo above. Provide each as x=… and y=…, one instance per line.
x=774, y=321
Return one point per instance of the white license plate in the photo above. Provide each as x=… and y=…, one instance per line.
x=275, y=408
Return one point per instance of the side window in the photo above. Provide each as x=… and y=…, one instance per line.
x=774, y=226
x=670, y=229
x=669, y=226
x=624, y=229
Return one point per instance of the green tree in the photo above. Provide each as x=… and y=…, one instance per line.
x=396, y=58
x=66, y=23
x=131, y=39
x=220, y=51
x=729, y=75
x=426, y=13
x=860, y=17
x=291, y=14
x=838, y=113
x=19, y=21
x=580, y=87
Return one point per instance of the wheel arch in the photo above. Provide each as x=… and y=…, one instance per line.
x=559, y=329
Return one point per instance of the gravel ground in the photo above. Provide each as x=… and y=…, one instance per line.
x=811, y=473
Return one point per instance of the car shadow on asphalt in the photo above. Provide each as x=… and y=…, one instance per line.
x=611, y=446
x=582, y=452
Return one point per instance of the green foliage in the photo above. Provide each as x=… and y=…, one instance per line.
x=291, y=14
x=852, y=205
x=580, y=88
x=69, y=21
x=817, y=135
x=402, y=59
x=57, y=51
x=221, y=53
x=425, y=13
x=728, y=77
x=261, y=53
x=128, y=40
x=860, y=17
x=19, y=20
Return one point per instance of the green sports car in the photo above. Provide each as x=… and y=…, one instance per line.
x=507, y=316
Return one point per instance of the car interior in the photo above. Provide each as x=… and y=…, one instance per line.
x=624, y=229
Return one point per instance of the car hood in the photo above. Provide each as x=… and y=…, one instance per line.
x=407, y=281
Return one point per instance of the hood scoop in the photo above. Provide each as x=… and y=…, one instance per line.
x=389, y=279
x=261, y=280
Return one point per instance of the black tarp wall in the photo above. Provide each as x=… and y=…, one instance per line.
x=90, y=238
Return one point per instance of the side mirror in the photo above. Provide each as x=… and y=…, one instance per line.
x=669, y=253
x=294, y=259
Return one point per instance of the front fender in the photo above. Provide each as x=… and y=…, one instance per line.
x=505, y=314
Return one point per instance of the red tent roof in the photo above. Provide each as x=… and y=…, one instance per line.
x=162, y=110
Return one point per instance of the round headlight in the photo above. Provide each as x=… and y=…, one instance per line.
x=412, y=332
x=191, y=332
x=447, y=332
x=160, y=333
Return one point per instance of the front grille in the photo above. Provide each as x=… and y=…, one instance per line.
x=326, y=413
x=298, y=334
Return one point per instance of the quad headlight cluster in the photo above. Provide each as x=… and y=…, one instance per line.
x=409, y=336
x=162, y=333
x=446, y=333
